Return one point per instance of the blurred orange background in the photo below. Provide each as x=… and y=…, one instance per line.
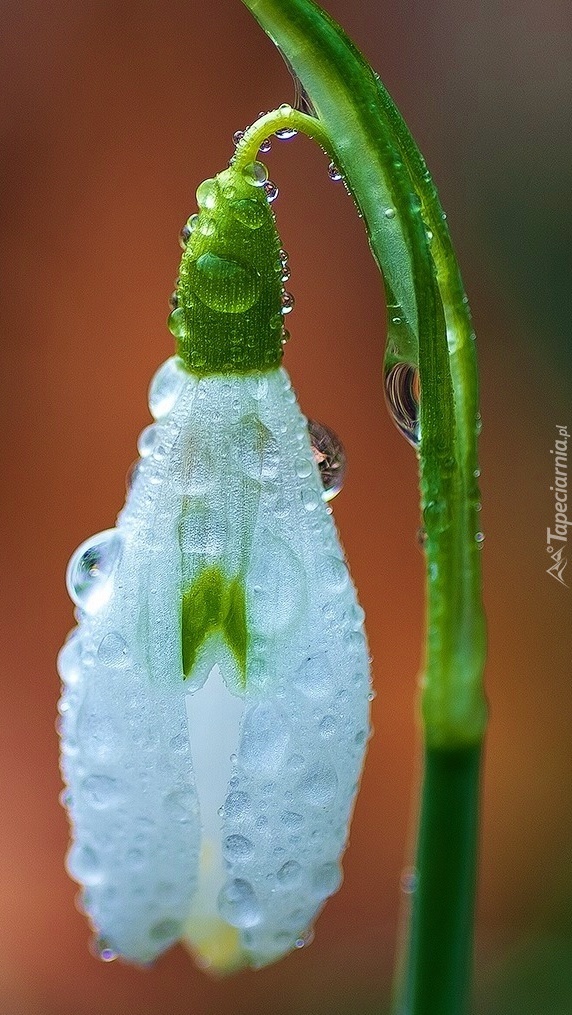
x=111, y=115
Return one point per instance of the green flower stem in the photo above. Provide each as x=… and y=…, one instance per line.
x=429, y=326
x=277, y=119
x=438, y=966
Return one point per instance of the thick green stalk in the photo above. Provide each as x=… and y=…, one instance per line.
x=436, y=976
x=429, y=326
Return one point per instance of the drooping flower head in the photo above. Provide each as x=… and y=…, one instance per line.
x=216, y=688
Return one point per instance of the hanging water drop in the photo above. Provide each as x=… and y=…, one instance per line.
x=271, y=191
x=90, y=570
x=330, y=457
x=237, y=136
x=174, y=300
x=185, y=235
x=333, y=172
x=402, y=399
x=287, y=303
x=265, y=146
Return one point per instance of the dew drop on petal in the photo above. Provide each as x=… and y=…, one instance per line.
x=90, y=570
x=113, y=651
x=289, y=873
x=238, y=905
x=166, y=387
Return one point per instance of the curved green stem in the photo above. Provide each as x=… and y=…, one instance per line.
x=429, y=326
x=277, y=119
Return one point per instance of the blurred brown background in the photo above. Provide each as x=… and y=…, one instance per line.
x=111, y=114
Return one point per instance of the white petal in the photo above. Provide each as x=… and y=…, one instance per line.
x=249, y=844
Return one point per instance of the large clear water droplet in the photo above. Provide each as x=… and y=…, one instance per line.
x=329, y=456
x=402, y=398
x=90, y=570
x=255, y=173
x=248, y=212
x=238, y=905
x=224, y=285
x=207, y=193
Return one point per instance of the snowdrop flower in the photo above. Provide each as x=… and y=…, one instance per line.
x=216, y=688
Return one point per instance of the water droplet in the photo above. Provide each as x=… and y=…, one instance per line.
x=207, y=194
x=285, y=133
x=248, y=212
x=477, y=473
x=421, y=537
x=166, y=387
x=89, y=573
x=333, y=172
x=101, y=791
x=389, y=213
x=185, y=235
x=237, y=136
x=402, y=399
x=207, y=225
x=314, y=676
x=479, y=537
x=329, y=456
x=326, y=879
x=238, y=905
x=104, y=950
x=113, y=651
x=309, y=499
x=285, y=274
x=176, y=323
x=83, y=865
x=303, y=468
x=265, y=738
x=318, y=788
x=289, y=873
x=69, y=661
x=174, y=300
x=287, y=303
x=237, y=847
x=236, y=805
x=409, y=880
x=265, y=146
x=224, y=285
x=283, y=257
x=429, y=234
x=146, y=440
x=255, y=173
x=271, y=191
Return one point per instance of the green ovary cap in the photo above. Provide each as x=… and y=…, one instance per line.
x=228, y=316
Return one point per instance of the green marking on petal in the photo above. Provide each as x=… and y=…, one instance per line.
x=235, y=623
x=214, y=603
